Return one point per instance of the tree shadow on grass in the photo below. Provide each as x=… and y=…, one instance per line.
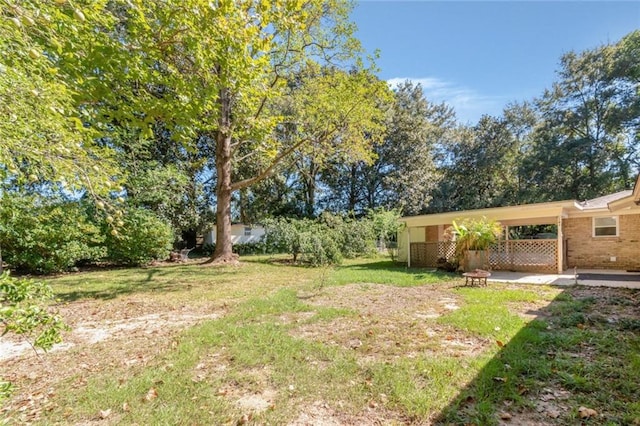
x=127, y=281
x=116, y=290
x=582, y=350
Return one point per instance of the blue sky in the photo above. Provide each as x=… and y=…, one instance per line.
x=478, y=56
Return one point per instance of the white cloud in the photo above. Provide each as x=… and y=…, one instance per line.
x=468, y=104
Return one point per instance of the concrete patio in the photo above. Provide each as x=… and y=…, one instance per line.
x=588, y=277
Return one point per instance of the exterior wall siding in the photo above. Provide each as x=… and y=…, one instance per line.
x=589, y=252
x=431, y=233
x=238, y=235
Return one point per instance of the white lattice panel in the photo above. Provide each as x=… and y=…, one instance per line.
x=524, y=255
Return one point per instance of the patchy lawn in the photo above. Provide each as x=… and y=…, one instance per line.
x=365, y=343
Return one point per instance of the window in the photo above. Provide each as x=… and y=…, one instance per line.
x=605, y=226
x=247, y=231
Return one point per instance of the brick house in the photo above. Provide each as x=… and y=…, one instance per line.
x=602, y=233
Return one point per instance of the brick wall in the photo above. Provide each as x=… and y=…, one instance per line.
x=586, y=251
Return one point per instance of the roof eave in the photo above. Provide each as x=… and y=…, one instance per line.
x=533, y=211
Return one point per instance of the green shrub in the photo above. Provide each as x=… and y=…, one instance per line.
x=474, y=234
x=319, y=247
x=355, y=237
x=253, y=247
x=45, y=235
x=317, y=242
x=143, y=237
x=208, y=249
x=284, y=235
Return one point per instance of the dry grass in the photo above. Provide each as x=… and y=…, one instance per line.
x=367, y=343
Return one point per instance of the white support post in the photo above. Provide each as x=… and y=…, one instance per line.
x=408, y=247
x=560, y=248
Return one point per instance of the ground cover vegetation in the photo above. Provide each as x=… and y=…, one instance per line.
x=366, y=342
x=129, y=124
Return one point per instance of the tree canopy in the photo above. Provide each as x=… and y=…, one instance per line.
x=257, y=109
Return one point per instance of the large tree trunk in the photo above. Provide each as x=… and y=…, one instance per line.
x=223, y=252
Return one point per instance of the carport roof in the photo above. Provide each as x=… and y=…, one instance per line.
x=537, y=213
x=527, y=214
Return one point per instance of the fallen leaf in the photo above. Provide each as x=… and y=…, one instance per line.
x=105, y=413
x=244, y=419
x=151, y=395
x=505, y=416
x=500, y=379
x=554, y=414
x=373, y=404
x=499, y=343
x=581, y=326
x=221, y=392
x=585, y=412
x=125, y=407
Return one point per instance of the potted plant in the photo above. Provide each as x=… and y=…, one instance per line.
x=473, y=237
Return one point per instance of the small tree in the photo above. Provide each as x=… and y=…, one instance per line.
x=308, y=240
x=386, y=225
x=46, y=234
x=474, y=235
x=140, y=238
x=23, y=312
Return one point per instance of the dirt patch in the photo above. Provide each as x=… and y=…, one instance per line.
x=125, y=335
x=390, y=322
x=320, y=413
x=118, y=336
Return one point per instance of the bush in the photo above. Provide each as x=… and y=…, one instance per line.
x=254, y=247
x=45, y=235
x=143, y=237
x=355, y=237
x=284, y=235
x=319, y=247
x=314, y=242
x=208, y=249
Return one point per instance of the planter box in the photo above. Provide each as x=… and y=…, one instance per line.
x=475, y=259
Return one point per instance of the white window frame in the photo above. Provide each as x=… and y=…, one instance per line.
x=594, y=227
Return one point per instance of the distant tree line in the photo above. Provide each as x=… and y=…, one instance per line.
x=136, y=106
x=578, y=140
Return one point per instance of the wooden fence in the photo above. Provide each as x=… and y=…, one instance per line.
x=513, y=255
